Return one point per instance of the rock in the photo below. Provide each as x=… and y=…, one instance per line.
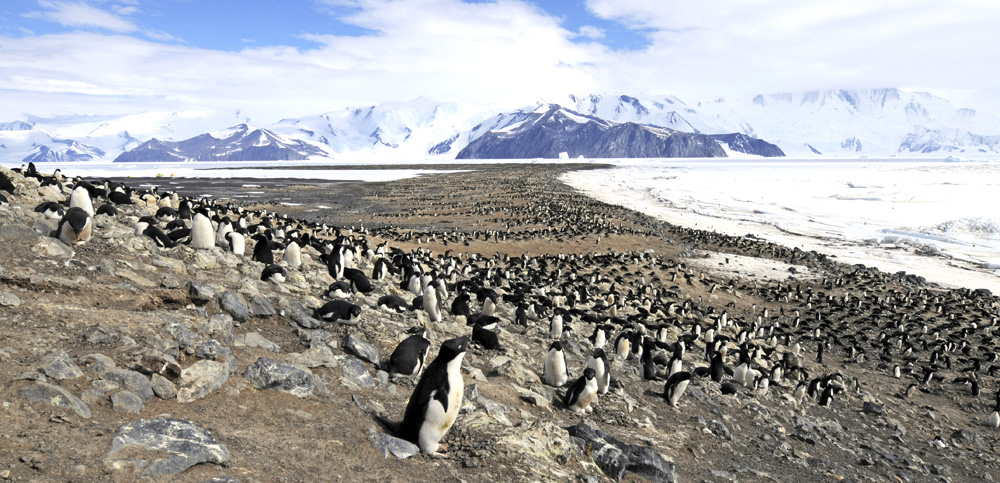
x=213, y=350
x=254, y=339
x=18, y=231
x=97, y=362
x=201, y=293
x=873, y=409
x=162, y=387
x=534, y=398
x=54, y=396
x=360, y=348
x=260, y=307
x=234, y=305
x=100, y=336
x=58, y=365
x=8, y=299
x=170, y=282
x=180, y=333
x=320, y=355
x=131, y=380
x=51, y=248
x=720, y=430
x=187, y=443
x=126, y=401
x=265, y=373
x=219, y=327
x=205, y=260
x=356, y=374
x=614, y=457
x=203, y=378
x=965, y=437
x=387, y=444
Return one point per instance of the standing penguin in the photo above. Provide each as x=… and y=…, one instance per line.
x=582, y=393
x=555, y=373
x=292, y=255
x=431, y=304
x=75, y=226
x=556, y=327
x=409, y=356
x=202, y=235
x=262, y=250
x=716, y=368
x=237, y=242
x=435, y=401
x=602, y=371
x=675, y=386
x=80, y=198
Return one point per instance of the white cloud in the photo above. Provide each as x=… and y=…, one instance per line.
x=81, y=15
x=719, y=47
x=508, y=51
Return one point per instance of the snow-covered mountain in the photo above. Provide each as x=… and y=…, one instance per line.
x=238, y=143
x=852, y=123
x=551, y=131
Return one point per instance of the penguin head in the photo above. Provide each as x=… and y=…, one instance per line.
x=453, y=348
x=555, y=346
x=589, y=373
x=77, y=218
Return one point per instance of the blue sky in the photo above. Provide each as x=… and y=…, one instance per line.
x=297, y=57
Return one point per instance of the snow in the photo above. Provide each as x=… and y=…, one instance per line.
x=931, y=218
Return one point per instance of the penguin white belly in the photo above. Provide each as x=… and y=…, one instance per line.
x=555, y=371
x=436, y=423
x=202, y=234
x=678, y=391
x=587, y=396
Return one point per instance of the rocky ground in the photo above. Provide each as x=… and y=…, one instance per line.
x=120, y=359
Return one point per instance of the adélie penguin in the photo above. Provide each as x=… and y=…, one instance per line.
x=582, y=392
x=555, y=372
x=602, y=371
x=675, y=386
x=202, y=234
x=75, y=227
x=340, y=311
x=434, y=403
x=409, y=356
x=274, y=274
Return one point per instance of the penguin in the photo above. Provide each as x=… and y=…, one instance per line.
x=202, y=235
x=432, y=308
x=293, y=255
x=392, y=303
x=602, y=371
x=408, y=357
x=994, y=419
x=120, y=198
x=107, y=209
x=489, y=307
x=161, y=239
x=342, y=290
x=274, y=274
x=225, y=227
x=359, y=280
x=50, y=210
x=262, y=250
x=717, y=369
x=4, y=200
x=623, y=345
x=339, y=310
x=380, y=270
x=582, y=392
x=729, y=388
x=80, y=198
x=6, y=184
x=826, y=398
x=434, y=403
x=556, y=327
x=600, y=336
x=237, y=242
x=800, y=392
x=75, y=226
x=555, y=373
x=675, y=386
x=486, y=337
x=166, y=214
x=460, y=306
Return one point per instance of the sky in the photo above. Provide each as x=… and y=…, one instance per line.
x=74, y=58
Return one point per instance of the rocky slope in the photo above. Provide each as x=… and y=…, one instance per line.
x=117, y=354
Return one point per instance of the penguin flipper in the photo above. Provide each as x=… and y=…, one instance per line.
x=392, y=427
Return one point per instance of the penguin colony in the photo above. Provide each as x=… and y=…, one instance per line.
x=611, y=319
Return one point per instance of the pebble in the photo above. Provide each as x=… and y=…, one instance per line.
x=8, y=299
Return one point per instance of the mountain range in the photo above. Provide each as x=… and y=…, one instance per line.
x=834, y=123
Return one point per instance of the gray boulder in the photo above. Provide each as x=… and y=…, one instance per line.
x=235, y=306
x=126, y=401
x=187, y=444
x=203, y=378
x=54, y=396
x=58, y=365
x=360, y=348
x=265, y=373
